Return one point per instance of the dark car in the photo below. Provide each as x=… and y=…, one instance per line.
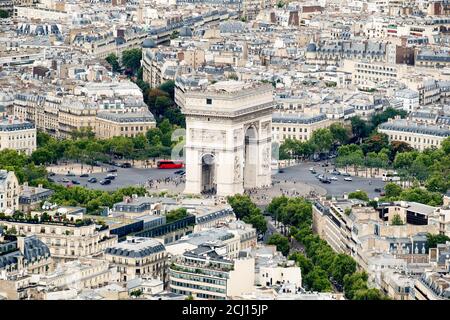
x=75, y=182
x=92, y=180
x=126, y=165
x=51, y=174
x=378, y=190
x=84, y=175
x=106, y=181
x=281, y=171
x=179, y=172
x=110, y=177
x=112, y=170
x=70, y=174
x=325, y=180
x=346, y=174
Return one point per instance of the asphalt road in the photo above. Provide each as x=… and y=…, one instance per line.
x=125, y=177
x=299, y=173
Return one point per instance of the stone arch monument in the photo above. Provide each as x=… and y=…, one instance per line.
x=228, y=138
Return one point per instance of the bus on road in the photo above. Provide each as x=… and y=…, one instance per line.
x=169, y=164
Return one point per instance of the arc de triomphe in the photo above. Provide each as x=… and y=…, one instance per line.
x=228, y=137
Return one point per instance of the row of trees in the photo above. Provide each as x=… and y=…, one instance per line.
x=394, y=192
x=157, y=142
x=321, y=266
x=91, y=199
x=322, y=140
x=247, y=211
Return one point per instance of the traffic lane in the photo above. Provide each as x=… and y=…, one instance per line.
x=125, y=177
x=301, y=173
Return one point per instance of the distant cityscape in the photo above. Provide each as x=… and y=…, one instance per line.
x=224, y=150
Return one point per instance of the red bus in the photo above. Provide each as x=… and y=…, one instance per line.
x=170, y=164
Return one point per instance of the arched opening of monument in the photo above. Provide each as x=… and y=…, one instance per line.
x=208, y=175
x=250, y=157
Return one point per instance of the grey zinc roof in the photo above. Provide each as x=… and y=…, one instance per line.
x=403, y=126
x=136, y=248
x=297, y=118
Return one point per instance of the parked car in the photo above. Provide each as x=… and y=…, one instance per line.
x=51, y=174
x=110, y=178
x=382, y=194
x=335, y=172
x=75, y=182
x=106, y=181
x=126, y=165
x=70, y=174
x=112, y=170
x=348, y=179
x=325, y=180
x=346, y=174
x=313, y=171
x=378, y=190
x=179, y=172
x=92, y=180
x=281, y=171
x=64, y=180
x=334, y=178
x=84, y=175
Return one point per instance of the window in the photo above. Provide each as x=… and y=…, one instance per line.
x=208, y=101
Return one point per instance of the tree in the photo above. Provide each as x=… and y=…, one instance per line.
x=360, y=128
x=434, y=239
x=132, y=59
x=341, y=266
x=437, y=183
x=341, y=134
x=445, y=145
x=303, y=262
x=361, y=195
x=317, y=280
x=257, y=220
x=242, y=205
x=169, y=88
x=353, y=282
x=392, y=190
x=176, y=214
x=281, y=242
x=397, y=220
x=398, y=147
x=387, y=114
x=247, y=211
x=4, y=14
x=369, y=294
x=322, y=140
x=375, y=143
x=114, y=62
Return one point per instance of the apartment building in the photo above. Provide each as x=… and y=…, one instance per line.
x=23, y=254
x=297, y=126
x=332, y=52
x=367, y=75
x=419, y=136
x=9, y=192
x=205, y=274
x=127, y=124
x=432, y=286
x=137, y=257
x=17, y=135
x=66, y=240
